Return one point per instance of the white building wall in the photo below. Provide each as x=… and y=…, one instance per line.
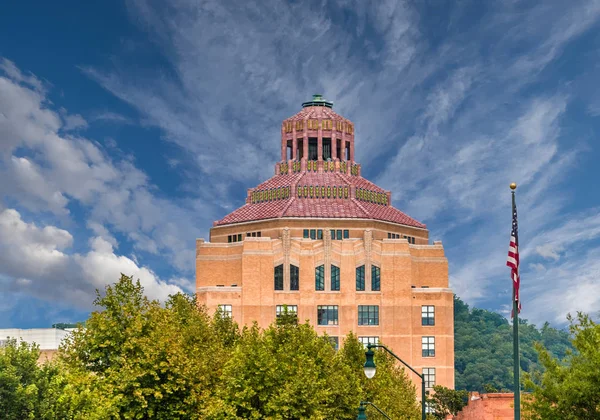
x=45, y=338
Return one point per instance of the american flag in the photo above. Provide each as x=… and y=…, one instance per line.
x=513, y=256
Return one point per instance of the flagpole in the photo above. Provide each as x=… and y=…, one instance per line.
x=516, y=363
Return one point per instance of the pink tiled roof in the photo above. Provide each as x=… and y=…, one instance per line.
x=293, y=206
x=316, y=112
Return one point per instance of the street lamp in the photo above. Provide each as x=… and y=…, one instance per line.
x=370, y=370
x=362, y=410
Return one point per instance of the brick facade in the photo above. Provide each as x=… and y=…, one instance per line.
x=286, y=226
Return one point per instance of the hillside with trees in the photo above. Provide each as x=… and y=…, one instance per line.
x=483, y=348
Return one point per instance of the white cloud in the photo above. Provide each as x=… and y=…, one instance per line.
x=34, y=260
x=58, y=169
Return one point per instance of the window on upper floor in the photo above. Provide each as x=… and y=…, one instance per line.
x=360, y=278
x=319, y=233
x=427, y=315
x=368, y=315
x=375, y=278
x=278, y=277
x=313, y=234
x=294, y=278
x=320, y=278
x=312, y=149
x=428, y=346
x=326, y=148
x=305, y=233
x=346, y=234
x=327, y=315
x=335, y=278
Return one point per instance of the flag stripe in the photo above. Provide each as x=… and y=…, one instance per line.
x=513, y=257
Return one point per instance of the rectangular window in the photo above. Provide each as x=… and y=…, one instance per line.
x=375, y=278
x=326, y=148
x=300, y=149
x=327, y=315
x=368, y=340
x=320, y=234
x=428, y=346
x=338, y=149
x=239, y=237
x=289, y=309
x=335, y=278
x=339, y=235
x=320, y=277
x=332, y=234
x=427, y=315
x=250, y=234
x=305, y=233
x=258, y=234
x=229, y=238
x=346, y=234
x=294, y=278
x=360, y=278
x=312, y=149
x=335, y=342
x=368, y=315
x=429, y=377
x=313, y=234
x=225, y=310
x=279, y=277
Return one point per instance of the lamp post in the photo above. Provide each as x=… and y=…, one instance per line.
x=362, y=410
x=370, y=370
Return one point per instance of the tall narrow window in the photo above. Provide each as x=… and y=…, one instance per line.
x=335, y=278
x=375, y=278
x=429, y=377
x=294, y=278
x=360, y=278
x=300, y=153
x=279, y=277
x=320, y=277
x=335, y=342
x=368, y=315
x=347, y=150
x=327, y=315
x=427, y=315
x=428, y=346
x=289, y=150
x=313, y=234
x=346, y=234
x=320, y=234
x=312, y=149
x=326, y=148
x=305, y=233
x=338, y=149
x=339, y=234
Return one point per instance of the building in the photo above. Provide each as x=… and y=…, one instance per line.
x=48, y=339
x=492, y=406
x=322, y=240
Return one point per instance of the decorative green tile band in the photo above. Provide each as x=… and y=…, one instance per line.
x=316, y=191
x=280, y=193
x=371, y=196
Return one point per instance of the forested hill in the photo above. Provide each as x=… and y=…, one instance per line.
x=483, y=348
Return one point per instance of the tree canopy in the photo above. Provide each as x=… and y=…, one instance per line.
x=483, y=354
x=568, y=388
x=138, y=359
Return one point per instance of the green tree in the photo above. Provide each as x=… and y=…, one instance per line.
x=136, y=359
x=483, y=347
x=445, y=401
x=27, y=390
x=568, y=389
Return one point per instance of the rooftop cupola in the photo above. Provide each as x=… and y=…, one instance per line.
x=317, y=134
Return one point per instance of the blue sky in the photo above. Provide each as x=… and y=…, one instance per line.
x=127, y=128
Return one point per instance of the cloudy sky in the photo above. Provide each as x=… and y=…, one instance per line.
x=126, y=129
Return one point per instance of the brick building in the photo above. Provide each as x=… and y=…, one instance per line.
x=327, y=243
